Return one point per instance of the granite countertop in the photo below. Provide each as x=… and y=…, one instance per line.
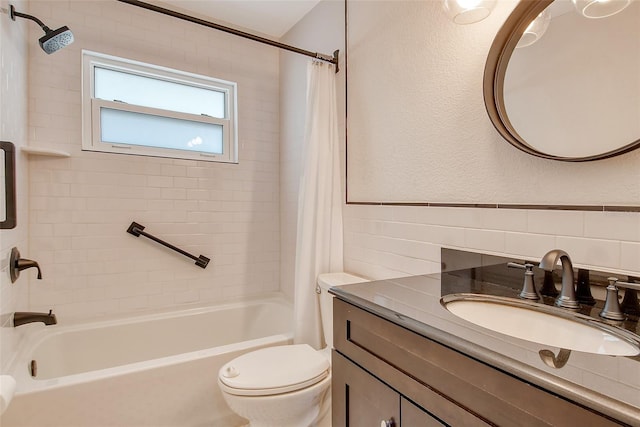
x=608, y=384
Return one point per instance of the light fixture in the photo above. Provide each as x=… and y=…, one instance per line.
x=600, y=8
x=53, y=40
x=468, y=11
x=535, y=30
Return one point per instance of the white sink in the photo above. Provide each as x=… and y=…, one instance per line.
x=542, y=324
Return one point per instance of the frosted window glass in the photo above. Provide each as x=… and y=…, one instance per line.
x=125, y=127
x=155, y=93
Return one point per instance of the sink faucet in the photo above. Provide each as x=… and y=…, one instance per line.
x=567, y=297
x=21, y=318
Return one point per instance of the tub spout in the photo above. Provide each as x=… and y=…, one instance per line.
x=22, y=317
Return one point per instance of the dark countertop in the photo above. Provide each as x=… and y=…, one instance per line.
x=608, y=384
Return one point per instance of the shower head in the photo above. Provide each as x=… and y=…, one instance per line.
x=53, y=40
x=56, y=39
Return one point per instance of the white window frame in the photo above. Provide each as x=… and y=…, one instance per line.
x=91, y=131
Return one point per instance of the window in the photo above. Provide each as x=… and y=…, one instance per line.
x=134, y=108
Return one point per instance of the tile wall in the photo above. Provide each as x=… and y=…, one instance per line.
x=13, y=128
x=392, y=241
x=81, y=206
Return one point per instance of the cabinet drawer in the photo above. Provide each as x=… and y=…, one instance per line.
x=464, y=390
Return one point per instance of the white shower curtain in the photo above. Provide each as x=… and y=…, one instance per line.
x=319, y=233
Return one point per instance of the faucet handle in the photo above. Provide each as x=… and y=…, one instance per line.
x=526, y=266
x=612, y=310
x=627, y=285
x=528, y=288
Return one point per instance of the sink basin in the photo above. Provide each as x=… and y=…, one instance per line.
x=543, y=324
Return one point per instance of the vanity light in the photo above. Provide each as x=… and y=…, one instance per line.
x=600, y=8
x=535, y=30
x=468, y=11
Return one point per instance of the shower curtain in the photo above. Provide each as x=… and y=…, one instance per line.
x=319, y=232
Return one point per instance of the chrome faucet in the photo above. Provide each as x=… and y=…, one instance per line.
x=22, y=318
x=567, y=297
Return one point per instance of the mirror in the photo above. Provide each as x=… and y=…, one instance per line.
x=7, y=186
x=574, y=94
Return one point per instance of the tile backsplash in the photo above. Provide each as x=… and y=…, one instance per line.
x=391, y=241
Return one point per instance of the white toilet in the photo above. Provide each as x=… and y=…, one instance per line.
x=286, y=386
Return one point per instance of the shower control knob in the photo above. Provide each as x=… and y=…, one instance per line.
x=386, y=423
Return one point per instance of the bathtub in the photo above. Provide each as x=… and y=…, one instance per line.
x=152, y=370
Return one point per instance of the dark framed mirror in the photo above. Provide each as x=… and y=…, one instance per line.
x=572, y=95
x=8, y=185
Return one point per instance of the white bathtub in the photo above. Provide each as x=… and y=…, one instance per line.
x=153, y=370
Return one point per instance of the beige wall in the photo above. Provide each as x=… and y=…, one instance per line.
x=430, y=123
x=13, y=128
x=418, y=129
x=81, y=206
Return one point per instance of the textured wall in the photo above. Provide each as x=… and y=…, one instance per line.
x=81, y=206
x=418, y=129
x=13, y=128
x=425, y=136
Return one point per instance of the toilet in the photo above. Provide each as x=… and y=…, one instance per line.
x=286, y=386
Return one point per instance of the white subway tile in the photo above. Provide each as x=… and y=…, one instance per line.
x=630, y=257
x=623, y=226
x=487, y=240
x=562, y=223
x=587, y=252
x=133, y=304
x=504, y=219
x=529, y=245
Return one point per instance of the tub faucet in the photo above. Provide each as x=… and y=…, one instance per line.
x=22, y=317
x=17, y=264
x=567, y=297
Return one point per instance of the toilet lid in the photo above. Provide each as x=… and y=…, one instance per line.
x=274, y=370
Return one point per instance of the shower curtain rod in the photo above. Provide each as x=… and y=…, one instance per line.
x=320, y=56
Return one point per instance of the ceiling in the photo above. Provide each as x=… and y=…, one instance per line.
x=269, y=17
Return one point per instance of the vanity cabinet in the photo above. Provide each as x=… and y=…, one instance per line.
x=383, y=372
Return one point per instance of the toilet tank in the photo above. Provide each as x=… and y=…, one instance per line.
x=326, y=281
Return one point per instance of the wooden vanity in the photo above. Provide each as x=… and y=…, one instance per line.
x=386, y=374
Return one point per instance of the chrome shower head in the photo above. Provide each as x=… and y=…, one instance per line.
x=53, y=40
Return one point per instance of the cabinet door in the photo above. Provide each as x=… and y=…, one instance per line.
x=414, y=416
x=359, y=399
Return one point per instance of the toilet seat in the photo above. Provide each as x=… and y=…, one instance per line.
x=274, y=370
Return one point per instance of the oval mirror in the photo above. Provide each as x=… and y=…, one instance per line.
x=569, y=93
